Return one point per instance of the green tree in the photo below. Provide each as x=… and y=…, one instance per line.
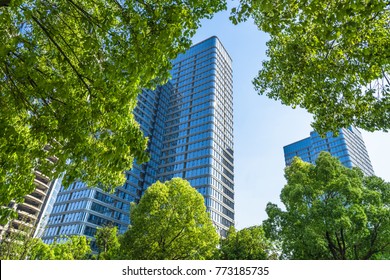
x=246, y=244
x=18, y=243
x=332, y=212
x=329, y=57
x=170, y=222
x=41, y=251
x=23, y=248
x=108, y=243
x=70, y=72
x=75, y=247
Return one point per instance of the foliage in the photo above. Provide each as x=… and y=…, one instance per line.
x=246, y=244
x=70, y=72
x=41, y=251
x=329, y=57
x=108, y=243
x=76, y=247
x=18, y=244
x=332, y=212
x=170, y=222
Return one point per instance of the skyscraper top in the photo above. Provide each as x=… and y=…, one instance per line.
x=348, y=146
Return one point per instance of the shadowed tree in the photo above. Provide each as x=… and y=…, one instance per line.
x=107, y=241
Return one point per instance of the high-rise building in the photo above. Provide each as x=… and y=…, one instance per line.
x=348, y=146
x=198, y=142
x=30, y=212
x=47, y=207
x=189, y=122
x=80, y=210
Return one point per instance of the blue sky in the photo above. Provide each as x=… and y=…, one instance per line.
x=263, y=126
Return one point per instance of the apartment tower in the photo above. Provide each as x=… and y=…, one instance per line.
x=189, y=122
x=31, y=212
x=348, y=146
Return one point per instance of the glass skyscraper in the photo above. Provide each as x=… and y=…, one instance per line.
x=198, y=143
x=189, y=122
x=348, y=146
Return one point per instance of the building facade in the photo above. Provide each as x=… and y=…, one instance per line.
x=31, y=211
x=348, y=146
x=80, y=210
x=189, y=122
x=198, y=142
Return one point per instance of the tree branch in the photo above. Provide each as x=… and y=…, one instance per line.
x=18, y=90
x=61, y=51
x=84, y=13
x=64, y=40
x=343, y=242
x=177, y=236
x=373, y=238
x=35, y=68
x=331, y=246
x=43, y=73
x=339, y=245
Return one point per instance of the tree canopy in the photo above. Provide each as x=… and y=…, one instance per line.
x=246, y=244
x=75, y=247
x=170, y=222
x=332, y=212
x=20, y=245
x=70, y=72
x=329, y=57
x=107, y=241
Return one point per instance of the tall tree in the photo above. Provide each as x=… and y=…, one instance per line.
x=70, y=72
x=170, y=222
x=329, y=57
x=108, y=243
x=246, y=244
x=332, y=212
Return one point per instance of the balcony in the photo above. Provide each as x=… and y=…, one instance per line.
x=40, y=192
x=29, y=199
x=29, y=209
x=41, y=184
x=42, y=177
